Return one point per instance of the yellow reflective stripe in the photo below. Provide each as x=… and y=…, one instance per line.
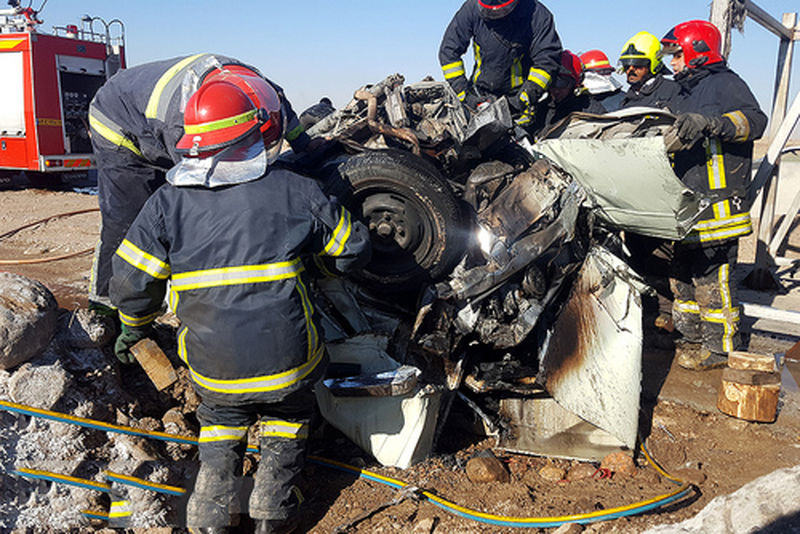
x=142, y=260
x=715, y=164
x=722, y=210
x=478, y=62
x=228, y=276
x=182, y=345
x=453, y=70
x=312, y=336
x=713, y=224
x=284, y=429
x=151, y=111
x=120, y=509
x=259, y=384
x=686, y=306
x=174, y=299
x=115, y=137
x=726, y=233
x=340, y=235
x=130, y=320
x=210, y=434
x=242, y=118
x=539, y=77
x=516, y=73
x=462, y=95
x=741, y=123
x=294, y=133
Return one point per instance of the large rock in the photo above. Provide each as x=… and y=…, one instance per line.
x=770, y=504
x=28, y=316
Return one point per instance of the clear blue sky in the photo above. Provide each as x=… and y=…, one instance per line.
x=323, y=47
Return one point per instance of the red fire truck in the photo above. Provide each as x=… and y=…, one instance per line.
x=48, y=81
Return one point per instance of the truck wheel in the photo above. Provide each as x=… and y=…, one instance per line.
x=415, y=222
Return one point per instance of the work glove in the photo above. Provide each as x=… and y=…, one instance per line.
x=128, y=337
x=474, y=99
x=692, y=126
x=527, y=97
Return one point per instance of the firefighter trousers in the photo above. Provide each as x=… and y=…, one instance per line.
x=217, y=497
x=705, y=309
x=124, y=183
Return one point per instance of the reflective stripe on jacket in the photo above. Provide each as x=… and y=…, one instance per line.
x=141, y=108
x=234, y=259
x=721, y=167
x=507, y=51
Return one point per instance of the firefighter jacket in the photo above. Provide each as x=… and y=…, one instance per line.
x=141, y=109
x=655, y=92
x=234, y=259
x=720, y=166
x=523, y=45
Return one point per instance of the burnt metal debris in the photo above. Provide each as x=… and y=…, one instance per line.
x=532, y=301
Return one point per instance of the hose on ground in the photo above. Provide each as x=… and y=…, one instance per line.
x=498, y=520
x=30, y=261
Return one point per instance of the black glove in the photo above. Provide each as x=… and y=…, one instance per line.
x=473, y=99
x=721, y=127
x=128, y=337
x=690, y=127
x=528, y=95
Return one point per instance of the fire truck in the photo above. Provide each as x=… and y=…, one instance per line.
x=48, y=81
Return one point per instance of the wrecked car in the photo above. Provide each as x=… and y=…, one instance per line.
x=497, y=270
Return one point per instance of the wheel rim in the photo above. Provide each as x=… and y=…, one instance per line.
x=401, y=231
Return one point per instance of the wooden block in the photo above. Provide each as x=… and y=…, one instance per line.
x=749, y=395
x=752, y=362
x=793, y=354
x=155, y=363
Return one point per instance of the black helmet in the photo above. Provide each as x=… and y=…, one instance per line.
x=496, y=9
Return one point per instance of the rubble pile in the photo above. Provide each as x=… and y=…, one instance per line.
x=68, y=378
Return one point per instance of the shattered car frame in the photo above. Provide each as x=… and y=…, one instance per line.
x=510, y=252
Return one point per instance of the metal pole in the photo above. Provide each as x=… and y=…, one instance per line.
x=760, y=278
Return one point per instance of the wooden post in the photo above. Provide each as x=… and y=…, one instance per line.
x=721, y=18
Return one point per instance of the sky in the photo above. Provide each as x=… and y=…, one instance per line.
x=315, y=48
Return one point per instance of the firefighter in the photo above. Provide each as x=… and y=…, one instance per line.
x=641, y=61
x=599, y=81
x=718, y=121
x=566, y=95
x=136, y=118
x=230, y=233
x=516, y=50
x=645, y=71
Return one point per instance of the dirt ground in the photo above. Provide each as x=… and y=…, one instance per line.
x=686, y=434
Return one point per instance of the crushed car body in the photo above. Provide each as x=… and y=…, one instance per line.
x=501, y=262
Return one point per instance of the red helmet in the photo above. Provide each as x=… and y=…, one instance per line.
x=700, y=41
x=597, y=61
x=496, y=9
x=226, y=109
x=571, y=66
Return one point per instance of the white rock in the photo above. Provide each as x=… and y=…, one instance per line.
x=755, y=506
x=28, y=315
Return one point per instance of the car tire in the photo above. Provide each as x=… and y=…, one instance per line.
x=416, y=223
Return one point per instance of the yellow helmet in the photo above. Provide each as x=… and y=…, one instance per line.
x=643, y=49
